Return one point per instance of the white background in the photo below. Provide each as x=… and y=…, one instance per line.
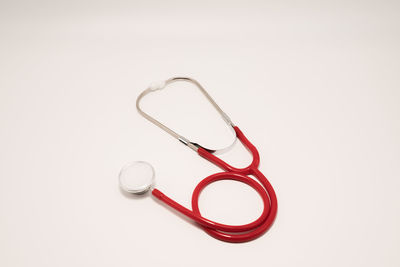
x=313, y=84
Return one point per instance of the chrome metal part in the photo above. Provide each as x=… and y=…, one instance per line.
x=192, y=145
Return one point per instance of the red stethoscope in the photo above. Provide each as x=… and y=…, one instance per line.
x=228, y=233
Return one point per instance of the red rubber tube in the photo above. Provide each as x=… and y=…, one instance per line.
x=231, y=233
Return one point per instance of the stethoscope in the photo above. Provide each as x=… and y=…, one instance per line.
x=130, y=174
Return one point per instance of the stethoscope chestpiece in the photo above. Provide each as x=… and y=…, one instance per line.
x=137, y=177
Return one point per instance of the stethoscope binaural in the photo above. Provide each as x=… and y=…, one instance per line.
x=228, y=233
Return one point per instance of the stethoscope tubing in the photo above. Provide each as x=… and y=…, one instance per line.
x=231, y=233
